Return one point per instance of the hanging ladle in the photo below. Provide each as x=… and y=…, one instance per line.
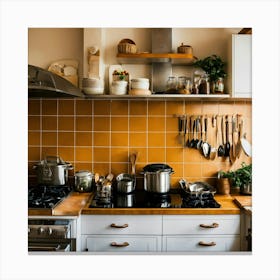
x=192, y=142
x=205, y=146
x=227, y=145
x=221, y=149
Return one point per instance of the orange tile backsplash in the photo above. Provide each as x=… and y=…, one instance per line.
x=99, y=135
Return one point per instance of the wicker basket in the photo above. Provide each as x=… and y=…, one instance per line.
x=185, y=49
x=127, y=46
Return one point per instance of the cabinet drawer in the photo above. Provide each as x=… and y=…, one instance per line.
x=201, y=244
x=117, y=244
x=121, y=224
x=205, y=224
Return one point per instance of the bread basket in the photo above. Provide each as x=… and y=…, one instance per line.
x=185, y=49
x=127, y=46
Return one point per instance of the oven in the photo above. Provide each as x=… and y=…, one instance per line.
x=47, y=232
x=51, y=234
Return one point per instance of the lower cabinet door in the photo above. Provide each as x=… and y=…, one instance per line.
x=201, y=244
x=118, y=244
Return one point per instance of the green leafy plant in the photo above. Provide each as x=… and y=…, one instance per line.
x=213, y=66
x=239, y=177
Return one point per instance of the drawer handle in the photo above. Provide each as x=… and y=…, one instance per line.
x=202, y=243
x=115, y=244
x=119, y=226
x=214, y=225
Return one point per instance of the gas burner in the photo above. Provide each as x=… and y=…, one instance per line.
x=200, y=201
x=47, y=196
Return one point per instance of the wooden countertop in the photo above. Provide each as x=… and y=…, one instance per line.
x=78, y=203
x=70, y=206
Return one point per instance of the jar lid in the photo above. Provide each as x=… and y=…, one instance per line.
x=83, y=173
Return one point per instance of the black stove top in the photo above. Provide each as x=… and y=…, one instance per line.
x=142, y=199
x=47, y=196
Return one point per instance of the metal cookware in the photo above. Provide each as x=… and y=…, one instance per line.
x=125, y=200
x=83, y=181
x=196, y=188
x=52, y=171
x=157, y=177
x=125, y=183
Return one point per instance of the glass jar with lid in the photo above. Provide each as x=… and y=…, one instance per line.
x=171, y=85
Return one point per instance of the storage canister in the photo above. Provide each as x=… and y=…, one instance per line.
x=83, y=181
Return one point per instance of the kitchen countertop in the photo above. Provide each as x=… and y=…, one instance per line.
x=244, y=202
x=78, y=203
x=72, y=205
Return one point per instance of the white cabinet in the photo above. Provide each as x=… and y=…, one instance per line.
x=160, y=233
x=241, y=66
x=121, y=233
x=201, y=233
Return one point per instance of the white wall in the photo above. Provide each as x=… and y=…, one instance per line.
x=50, y=44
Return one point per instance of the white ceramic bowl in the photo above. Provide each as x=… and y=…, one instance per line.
x=140, y=83
x=119, y=87
x=93, y=90
x=92, y=83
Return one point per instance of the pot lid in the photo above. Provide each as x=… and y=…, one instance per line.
x=156, y=167
x=83, y=173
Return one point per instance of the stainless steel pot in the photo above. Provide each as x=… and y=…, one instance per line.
x=157, y=178
x=246, y=189
x=83, y=181
x=125, y=183
x=52, y=171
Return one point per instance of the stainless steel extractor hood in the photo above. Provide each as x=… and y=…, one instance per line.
x=43, y=83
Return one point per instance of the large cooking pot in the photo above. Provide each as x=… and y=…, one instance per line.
x=157, y=177
x=52, y=171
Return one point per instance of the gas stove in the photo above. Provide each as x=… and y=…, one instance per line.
x=143, y=199
x=47, y=196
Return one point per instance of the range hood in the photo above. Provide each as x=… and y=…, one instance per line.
x=43, y=83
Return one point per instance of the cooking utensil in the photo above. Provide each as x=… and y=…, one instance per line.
x=180, y=129
x=193, y=141
x=199, y=132
x=133, y=157
x=240, y=132
x=83, y=181
x=220, y=136
x=157, y=178
x=205, y=145
x=190, y=132
x=196, y=188
x=246, y=146
x=214, y=150
x=52, y=171
x=227, y=144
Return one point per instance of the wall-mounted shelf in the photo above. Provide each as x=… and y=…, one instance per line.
x=188, y=97
x=148, y=58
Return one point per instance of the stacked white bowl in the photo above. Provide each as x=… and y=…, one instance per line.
x=140, y=86
x=119, y=87
x=140, y=83
x=93, y=86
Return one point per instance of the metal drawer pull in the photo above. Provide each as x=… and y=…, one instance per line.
x=115, y=244
x=119, y=226
x=202, y=243
x=214, y=225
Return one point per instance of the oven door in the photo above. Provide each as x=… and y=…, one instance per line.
x=51, y=245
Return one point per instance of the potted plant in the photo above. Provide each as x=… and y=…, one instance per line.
x=214, y=67
x=240, y=178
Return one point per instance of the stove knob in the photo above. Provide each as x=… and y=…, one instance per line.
x=50, y=231
x=41, y=230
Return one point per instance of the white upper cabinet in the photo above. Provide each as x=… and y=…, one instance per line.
x=242, y=65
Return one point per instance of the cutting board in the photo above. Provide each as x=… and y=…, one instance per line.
x=242, y=201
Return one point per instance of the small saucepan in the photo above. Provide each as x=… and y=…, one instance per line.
x=125, y=183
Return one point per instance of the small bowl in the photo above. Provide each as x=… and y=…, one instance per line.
x=140, y=83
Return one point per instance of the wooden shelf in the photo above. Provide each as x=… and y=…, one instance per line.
x=186, y=97
x=148, y=58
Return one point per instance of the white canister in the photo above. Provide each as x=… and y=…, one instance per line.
x=119, y=87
